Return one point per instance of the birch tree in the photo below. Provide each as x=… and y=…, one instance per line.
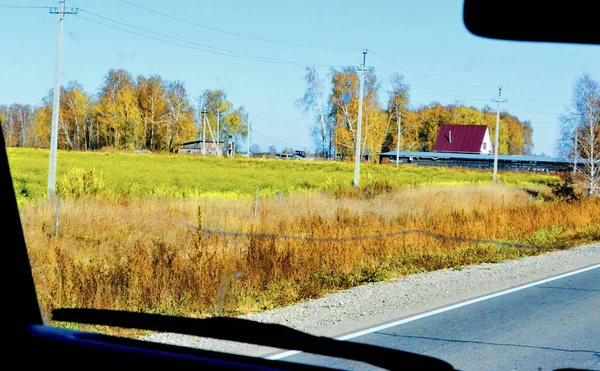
x=397, y=109
x=152, y=104
x=579, y=134
x=8, y=128
x=180, y=116
x=586, y=102
x=314, y=103
x=75, y=120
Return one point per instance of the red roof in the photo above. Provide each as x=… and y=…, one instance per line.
x=460, y=138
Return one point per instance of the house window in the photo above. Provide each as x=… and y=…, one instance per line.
x=484, y=146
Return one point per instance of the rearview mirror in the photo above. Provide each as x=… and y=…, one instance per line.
x=573, y=21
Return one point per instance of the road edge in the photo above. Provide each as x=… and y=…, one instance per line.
x=429, y=313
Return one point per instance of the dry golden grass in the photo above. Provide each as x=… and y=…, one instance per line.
x=148, y=254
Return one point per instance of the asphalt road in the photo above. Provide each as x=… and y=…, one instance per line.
x=549, y=326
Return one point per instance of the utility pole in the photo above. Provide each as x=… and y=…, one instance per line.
x=210, y=131
x=357, y=154
x=218, y=132
x=60, y=10
x=399, y=120
x=204, y=131
x=497, y=101
x=198, y=126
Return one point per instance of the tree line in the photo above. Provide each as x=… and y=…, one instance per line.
x=335, y=117
x=142, y=113
x=579, y=135
x=150, y=113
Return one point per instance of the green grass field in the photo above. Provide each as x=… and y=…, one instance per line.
x=183, y=176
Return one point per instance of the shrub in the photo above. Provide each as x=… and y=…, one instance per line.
x=564, y=191
x=549, y=238
x=81, y=182
x=376, y=186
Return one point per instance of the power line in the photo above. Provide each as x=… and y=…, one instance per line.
x=433, y=92
x=437, y=92
x=182, y=40
x=203, y=47
x=276, y=124
x=426, y=90
x=283, y=118
x=167, y=41
x=235, y=33
x=277, y=141
x=459, y=84
x=218, y=51
x=519, y=108
x=427, y=76
x=25, y=7
x=537, y=101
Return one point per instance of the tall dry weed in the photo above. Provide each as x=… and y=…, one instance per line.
x=154, y=255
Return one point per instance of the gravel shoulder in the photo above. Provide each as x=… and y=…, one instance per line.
x=369, y=305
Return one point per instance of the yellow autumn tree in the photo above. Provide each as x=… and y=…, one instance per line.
x=397, y=113
x=344, y=112
x=117, y=112
x=152, y=103
x=75, y=121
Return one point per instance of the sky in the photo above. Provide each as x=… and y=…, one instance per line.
x=257, y=51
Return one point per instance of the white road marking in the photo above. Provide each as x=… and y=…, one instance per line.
x=441, y=310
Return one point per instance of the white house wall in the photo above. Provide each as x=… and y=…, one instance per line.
x=486, y=145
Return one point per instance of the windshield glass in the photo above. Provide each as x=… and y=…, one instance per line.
x=329, y=166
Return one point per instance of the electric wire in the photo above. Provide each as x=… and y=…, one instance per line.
x=25, y=7
x=427, y=76
x=235, y=33
x=200, y=47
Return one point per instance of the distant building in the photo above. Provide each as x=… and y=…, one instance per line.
x=463, y=139
x=284, y=155
x=478, y=161
x=196, y=146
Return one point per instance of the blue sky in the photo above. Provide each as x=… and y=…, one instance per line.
x=426, y=41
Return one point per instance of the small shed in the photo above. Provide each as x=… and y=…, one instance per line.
x=463, y=139
x=201, y=147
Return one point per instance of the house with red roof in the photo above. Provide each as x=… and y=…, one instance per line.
x=463, y=139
